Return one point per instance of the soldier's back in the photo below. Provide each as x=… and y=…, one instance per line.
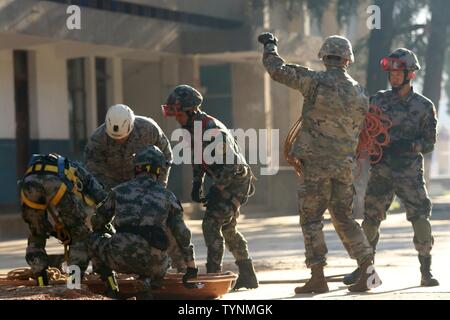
x=142, y=202
x=332, y=117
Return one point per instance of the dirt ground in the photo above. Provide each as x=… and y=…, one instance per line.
x=277, y=249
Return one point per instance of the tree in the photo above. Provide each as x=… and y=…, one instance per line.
x=435, y=57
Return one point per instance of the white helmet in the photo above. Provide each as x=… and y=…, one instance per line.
x=119, y=121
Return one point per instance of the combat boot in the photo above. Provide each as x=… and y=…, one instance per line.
x=425, y=269
x=247, y=276
x=213, y=268
x=317, y=283
x=353, y=277
x=368, y=279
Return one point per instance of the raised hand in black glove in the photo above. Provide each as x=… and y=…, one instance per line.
x=191, y=273
x=197, y=194
x=267, y=37
x=42, y=278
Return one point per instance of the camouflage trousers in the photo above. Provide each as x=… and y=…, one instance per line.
x=328, y=185
x=128, y=253
x=408, y=184
x=175, y=255
x=71, y=215
x=219, y=228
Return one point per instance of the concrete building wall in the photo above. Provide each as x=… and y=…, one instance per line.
x=7, y=119
x=216, y=8
x=7, y=128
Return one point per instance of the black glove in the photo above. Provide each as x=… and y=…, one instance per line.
x=42, y=278
x=197, y=194
x=191, y=273
x=267, y=37
x=400, y=146
x=214, y=195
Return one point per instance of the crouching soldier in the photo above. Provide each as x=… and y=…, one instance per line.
x=131, y=228
x=53, y=192
x=232, y=183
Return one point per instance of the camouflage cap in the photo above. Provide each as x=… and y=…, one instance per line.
x=408, y=57
x=337, y=46
x=186, y=96
x=151, y=155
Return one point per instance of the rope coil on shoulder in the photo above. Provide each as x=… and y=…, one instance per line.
x=292, y=134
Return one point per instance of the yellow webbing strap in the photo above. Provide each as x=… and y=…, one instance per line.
x=59, y=194
x=71, y=176
x=31, y=204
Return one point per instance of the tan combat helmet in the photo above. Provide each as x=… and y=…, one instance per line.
x=337, y=46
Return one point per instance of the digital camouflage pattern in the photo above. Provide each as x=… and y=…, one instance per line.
x=337, y=46
x=332, y=118
x=186, y=96
x=334, y=109
x=235, y=178
x=141, y=202
x=325, y=187
x=71, y=212
x=408, y=57
x=112, y=163
x=401, y=172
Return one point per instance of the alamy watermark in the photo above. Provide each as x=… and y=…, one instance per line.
x=73, y=21
x=214, y=146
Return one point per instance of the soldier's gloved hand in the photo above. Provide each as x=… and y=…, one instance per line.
x=197, y=194
x=267, y=37
x=191, y=273
x=214, y=195
x=401, y=146
x=42, y=278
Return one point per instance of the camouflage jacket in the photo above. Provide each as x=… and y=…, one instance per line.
x=231, y=170
x=333, y=112
x=413, y=120
x=143, y=202
x=112, y=163
x=41, y=188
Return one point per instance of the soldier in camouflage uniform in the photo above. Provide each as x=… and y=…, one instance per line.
x=131, y=227
x=400, y=171
x=53, y=193
x=109, y=152
x=332, y=118
x=232, y=183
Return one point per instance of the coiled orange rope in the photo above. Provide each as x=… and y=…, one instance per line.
x=292, y=160
x=374, y=136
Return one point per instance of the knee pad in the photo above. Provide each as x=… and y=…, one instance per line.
x=422, y=230
x=371, y=230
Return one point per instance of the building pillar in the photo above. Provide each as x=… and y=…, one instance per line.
x=91, y=95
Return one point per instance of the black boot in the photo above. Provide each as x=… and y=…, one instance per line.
x=213, y=268
x=364, y=284
x=425, y=269
x=353, y=277
x=317, y=283
x=247, y=276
